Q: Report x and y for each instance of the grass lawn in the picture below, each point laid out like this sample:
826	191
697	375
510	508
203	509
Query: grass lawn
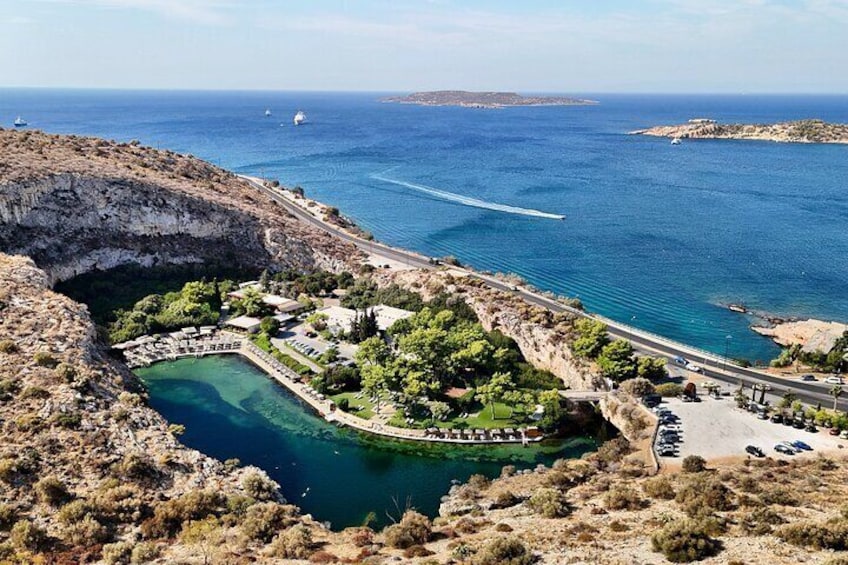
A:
367	411
479	417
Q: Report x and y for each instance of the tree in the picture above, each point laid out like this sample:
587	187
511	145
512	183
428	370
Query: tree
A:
318	321
204	534
592	338
372	351
494	390
264	279
552	403
519	401
835	392
251	302
270	326
438	410
651	368
616	360
638	387
694	464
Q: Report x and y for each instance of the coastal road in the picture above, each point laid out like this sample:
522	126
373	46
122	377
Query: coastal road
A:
714	366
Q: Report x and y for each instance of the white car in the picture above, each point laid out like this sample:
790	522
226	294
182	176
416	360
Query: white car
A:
694	368
834	380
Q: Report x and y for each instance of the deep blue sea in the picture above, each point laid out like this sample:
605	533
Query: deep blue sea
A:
657	235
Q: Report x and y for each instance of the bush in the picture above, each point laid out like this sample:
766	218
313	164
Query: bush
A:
27	536
684	542
613	451
45	359
294	543
659	487
259	486
504	499
8	346
117	553
549	502
86	532
694	464
669	390
168	517
8	516
507	550
66	372
68	420
262	521
816	535
145	552
8	469
413	529
52	491
416	551
622	497
137	467
637	387
703	495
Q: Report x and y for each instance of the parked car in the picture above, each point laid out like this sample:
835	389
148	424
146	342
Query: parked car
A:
811	428
777	418
681	361
833	431
667	451
801	445
694	368
834	380
790	445
808	378
762	415
798	424
780	448
843	434
755	451
788	421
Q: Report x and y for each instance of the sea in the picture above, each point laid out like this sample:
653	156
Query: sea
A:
658	236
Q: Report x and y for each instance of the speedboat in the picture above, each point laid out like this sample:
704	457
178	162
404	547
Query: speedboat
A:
268	112
675	141
299	118
20	122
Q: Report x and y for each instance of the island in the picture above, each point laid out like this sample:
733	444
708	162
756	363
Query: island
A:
800	131
468	99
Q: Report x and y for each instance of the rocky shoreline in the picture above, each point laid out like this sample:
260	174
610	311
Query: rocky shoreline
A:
801	131
491	100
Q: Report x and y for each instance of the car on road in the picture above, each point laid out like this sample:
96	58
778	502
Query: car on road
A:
834	380
755	451
801	445
780	448
681	361
808	378
694	368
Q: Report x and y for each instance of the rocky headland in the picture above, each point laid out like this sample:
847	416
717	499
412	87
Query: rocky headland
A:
801	131
484	99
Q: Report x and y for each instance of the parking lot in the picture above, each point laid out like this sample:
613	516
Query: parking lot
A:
716	429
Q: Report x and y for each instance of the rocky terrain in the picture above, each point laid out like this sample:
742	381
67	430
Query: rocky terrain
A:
801	131
483	99
76	204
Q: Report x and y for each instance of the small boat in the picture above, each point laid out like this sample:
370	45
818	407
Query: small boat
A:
740	308
675	141
299	118
268	112
20	122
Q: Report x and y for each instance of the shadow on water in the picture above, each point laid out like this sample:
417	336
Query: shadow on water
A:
233	410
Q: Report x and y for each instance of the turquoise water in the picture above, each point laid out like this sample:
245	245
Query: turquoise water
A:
230	408
656	235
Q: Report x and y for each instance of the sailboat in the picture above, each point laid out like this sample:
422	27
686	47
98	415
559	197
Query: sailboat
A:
20	122
268	112
299	118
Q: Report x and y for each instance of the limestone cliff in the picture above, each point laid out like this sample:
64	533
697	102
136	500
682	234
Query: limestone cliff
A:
75	204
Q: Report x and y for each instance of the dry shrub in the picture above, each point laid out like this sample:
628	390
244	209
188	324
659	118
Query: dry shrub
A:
413	529
702	494
416	551
506	550
260	487
118	553
263	520
361	537
684	541
168	517
831	535
622	497
8	516
294	543
694	464
504	499
549	503
501	527
52	491
659	487
27	536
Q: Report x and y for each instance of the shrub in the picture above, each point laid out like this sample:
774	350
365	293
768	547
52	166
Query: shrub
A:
85	532
504	499
622	497
45	359
508	471
549	502
137	467
118	553
669	390
613	451
66	372
416	551
52	491
659	487
35	392
259	486
169	516
413	529
637	387
8	469
507	550
8	516
694	464
294	543
27	536
68	420
479	481
145	552
8	346
702	495
262	521
816	535
362	537
684	542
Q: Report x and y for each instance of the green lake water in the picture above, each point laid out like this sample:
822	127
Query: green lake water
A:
230	408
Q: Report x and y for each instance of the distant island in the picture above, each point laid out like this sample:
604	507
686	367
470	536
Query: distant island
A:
484	99
801	131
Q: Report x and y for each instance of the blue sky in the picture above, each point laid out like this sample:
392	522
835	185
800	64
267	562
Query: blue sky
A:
728	46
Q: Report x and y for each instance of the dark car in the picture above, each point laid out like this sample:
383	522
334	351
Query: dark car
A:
798	424
777	418
787	421
811	428
755	451
808	378
667	451
833	431
784	449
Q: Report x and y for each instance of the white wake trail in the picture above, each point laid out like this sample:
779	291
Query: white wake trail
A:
469	201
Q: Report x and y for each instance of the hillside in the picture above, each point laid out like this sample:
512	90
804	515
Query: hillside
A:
802	131
483	99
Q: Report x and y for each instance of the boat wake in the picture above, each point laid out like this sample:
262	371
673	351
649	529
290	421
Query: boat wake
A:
469	201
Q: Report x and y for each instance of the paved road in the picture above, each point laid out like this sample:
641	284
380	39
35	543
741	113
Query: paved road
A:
714	366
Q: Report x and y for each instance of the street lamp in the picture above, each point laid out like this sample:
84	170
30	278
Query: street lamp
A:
630	328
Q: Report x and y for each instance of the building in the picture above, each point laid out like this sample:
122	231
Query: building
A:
339	319
247	324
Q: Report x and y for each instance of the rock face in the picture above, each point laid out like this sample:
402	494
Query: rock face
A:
802	131
75	204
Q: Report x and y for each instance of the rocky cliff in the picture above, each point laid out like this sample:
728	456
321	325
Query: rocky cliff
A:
75	204
801	131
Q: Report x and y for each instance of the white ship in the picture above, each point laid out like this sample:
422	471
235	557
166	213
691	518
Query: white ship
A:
675	141
268	112
20	122
299	118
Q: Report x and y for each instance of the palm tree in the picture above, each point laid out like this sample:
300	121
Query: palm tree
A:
835	392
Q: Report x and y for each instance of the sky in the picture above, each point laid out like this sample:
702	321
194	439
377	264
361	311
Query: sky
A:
563	46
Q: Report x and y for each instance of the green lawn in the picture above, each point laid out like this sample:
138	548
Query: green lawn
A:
479	417
367	411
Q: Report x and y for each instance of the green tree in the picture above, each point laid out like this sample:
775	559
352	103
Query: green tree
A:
251	302
651	368
494	390
835	392
372	351
592	338
269	326
519	401
205	535
438	410
318	321
551	401
616	360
